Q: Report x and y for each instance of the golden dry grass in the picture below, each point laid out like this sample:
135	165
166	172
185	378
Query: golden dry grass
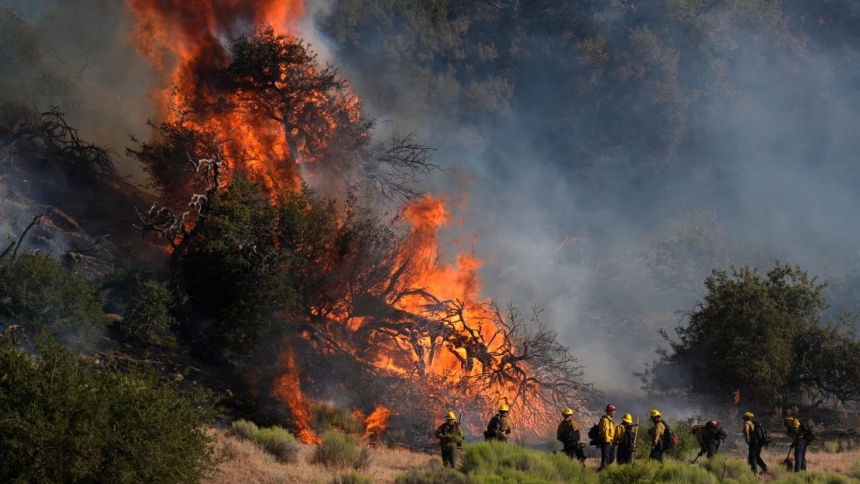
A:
245	462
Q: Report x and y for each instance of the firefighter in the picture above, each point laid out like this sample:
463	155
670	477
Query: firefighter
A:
499	426
802	435
709	437
658	427
450	437
606	440
754	444
568	434
625	439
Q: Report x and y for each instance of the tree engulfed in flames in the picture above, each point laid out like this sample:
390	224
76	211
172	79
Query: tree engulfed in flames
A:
422	322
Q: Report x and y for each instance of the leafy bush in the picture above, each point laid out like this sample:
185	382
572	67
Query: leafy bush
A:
280	443
66	420
435	475
727	468
339	450
39	295
275	440
351	478
332	418
395	437
148	318
489	460
244	429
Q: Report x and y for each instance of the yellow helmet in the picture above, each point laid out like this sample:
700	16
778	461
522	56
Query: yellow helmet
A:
450	416
504	408
627	418
655	413
748	415
567	411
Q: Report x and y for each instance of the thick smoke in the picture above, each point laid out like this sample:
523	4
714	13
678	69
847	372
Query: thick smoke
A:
567	227
561	216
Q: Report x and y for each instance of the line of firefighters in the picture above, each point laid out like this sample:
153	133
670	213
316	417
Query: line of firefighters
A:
619	443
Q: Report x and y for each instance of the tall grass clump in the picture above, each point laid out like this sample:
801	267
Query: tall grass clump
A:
501	462
275	440
434	475
351	478
815	477
332	418
855	471
340	450
727	468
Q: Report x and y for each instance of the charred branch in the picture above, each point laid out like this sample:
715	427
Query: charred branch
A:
180	230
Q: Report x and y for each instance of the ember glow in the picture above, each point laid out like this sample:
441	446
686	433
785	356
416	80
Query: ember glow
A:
465	356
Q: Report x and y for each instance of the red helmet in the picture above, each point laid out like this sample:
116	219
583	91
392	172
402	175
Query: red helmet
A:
610	408
713	424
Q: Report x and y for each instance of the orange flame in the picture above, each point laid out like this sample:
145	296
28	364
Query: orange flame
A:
376	424
288	390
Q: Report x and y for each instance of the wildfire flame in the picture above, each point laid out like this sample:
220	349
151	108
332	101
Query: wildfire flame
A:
178	36
376	424
736	396
287	389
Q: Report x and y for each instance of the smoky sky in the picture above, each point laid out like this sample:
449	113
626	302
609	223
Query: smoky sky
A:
561	220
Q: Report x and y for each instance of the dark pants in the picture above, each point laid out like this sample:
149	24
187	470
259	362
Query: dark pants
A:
607	455
800	455
574	451
448	456
754	459
624	455
657	453
712	447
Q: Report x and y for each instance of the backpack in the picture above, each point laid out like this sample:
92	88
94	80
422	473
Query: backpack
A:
670	439
494	428
594	434
629	441
760	434
809	435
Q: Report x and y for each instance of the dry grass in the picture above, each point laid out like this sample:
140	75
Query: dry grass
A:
243	461
246	462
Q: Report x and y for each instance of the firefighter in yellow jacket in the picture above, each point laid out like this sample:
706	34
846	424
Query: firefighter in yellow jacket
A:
568	434
801	434
625	439
658	427
753	444
499	426
450	437
606	440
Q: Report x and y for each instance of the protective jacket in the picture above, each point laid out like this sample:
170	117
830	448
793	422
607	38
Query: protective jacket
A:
656	432
606	429
567	432
450	435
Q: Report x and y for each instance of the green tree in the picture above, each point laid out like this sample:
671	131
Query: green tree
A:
39	295
746	335
68	420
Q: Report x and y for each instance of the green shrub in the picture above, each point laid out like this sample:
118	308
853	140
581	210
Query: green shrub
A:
40	295
244	429
487	461
339	450
855	471
148	320
351	478
332	418
628	474
274	440
728	468
279	442
66	420
434	475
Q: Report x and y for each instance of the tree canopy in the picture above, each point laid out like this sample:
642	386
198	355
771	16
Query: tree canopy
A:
760	337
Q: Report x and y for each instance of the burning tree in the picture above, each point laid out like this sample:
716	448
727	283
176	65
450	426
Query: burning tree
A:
278	273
